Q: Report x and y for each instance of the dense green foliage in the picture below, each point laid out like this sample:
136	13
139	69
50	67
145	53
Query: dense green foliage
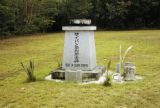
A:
30	16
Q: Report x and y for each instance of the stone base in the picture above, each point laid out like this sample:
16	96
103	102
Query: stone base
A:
78	75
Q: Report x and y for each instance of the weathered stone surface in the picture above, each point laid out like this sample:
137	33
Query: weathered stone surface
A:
58	74
79	75
79	28
72	76
81	21
79	59
79	48
118	68
129	71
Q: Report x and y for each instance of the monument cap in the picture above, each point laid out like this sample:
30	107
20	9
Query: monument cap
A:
80	21
79	28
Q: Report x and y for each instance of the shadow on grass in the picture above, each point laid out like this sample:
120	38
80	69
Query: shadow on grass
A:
37	80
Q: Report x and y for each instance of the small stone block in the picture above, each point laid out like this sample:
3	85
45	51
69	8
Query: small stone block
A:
58	74
129	71
70	76
79	76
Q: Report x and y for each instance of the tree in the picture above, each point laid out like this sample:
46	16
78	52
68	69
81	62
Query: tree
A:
31	16
7	19
109	13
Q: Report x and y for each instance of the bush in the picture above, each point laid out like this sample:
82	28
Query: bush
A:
108	81
121	61
29	71
7	19
59	63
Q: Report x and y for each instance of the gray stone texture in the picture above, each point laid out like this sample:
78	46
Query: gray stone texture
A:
78	75
129	71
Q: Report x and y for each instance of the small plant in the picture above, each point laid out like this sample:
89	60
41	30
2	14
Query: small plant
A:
108	77
121	59
59	63
108	81
108	67
29	71
125	54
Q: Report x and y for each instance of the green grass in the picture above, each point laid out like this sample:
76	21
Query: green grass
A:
46	49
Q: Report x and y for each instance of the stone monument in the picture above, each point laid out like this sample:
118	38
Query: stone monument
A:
79	59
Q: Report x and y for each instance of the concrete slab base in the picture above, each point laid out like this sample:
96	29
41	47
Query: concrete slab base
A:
78	75
99	81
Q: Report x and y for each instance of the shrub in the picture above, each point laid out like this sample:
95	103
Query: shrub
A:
59	63
108	81
29	71
125	54
121	59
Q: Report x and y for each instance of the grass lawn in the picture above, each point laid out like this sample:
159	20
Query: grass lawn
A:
46	49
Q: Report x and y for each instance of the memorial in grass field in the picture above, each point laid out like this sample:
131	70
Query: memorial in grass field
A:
79	57
79	47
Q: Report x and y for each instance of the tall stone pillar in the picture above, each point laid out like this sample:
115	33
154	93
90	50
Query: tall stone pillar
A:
79	48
